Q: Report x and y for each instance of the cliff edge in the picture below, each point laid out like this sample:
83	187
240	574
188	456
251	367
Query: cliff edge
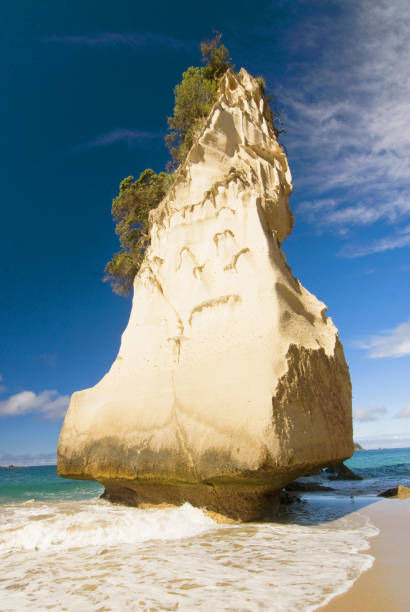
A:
230	381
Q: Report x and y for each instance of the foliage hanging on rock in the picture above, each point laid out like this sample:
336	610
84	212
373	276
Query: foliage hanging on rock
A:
130	210
194	98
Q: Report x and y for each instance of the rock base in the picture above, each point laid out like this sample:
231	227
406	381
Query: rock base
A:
342	472
241	503
400	492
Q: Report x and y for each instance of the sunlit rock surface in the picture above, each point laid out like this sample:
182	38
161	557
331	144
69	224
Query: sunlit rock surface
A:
230	381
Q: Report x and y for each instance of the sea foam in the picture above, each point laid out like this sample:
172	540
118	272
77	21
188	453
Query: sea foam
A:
78	524
92	555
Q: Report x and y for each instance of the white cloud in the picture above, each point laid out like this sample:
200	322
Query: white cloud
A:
130	137
384	440
28	459
346	113
365	413
310	208
388	243
48	404
404	414
390	343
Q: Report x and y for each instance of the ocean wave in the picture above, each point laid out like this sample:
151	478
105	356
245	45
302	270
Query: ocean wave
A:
92	555
98	523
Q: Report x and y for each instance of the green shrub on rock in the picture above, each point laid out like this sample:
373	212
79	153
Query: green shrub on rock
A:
194	98
130	210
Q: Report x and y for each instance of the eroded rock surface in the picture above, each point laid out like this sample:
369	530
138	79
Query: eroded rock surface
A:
230	381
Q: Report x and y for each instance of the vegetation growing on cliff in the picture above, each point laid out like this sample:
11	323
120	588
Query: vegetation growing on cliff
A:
194	98
130	210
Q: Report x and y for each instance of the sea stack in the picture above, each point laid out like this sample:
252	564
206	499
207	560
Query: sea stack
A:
230	381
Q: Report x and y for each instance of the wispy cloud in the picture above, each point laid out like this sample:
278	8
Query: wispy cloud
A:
389	343
388	243
130	39
28	459
385	440
50	359
129	137
47	404
404	414
365	413
346	112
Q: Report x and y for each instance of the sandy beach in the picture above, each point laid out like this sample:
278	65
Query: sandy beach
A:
385	587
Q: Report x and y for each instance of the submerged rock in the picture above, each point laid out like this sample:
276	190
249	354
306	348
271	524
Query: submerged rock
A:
230	381
287	499
400	491
342	472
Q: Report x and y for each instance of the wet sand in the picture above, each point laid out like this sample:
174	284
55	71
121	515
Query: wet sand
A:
386	586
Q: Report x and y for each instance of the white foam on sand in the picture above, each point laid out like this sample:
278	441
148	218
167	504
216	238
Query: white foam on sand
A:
92	555
46	526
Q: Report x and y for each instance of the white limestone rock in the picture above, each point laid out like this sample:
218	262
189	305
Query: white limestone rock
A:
230	381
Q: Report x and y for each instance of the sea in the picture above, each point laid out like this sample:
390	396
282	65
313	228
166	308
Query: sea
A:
64	548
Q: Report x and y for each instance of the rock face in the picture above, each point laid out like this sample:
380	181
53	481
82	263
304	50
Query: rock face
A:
230	381
401	492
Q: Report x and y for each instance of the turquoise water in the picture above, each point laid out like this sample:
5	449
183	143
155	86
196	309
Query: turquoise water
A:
370	461
380	469
42	483
61	547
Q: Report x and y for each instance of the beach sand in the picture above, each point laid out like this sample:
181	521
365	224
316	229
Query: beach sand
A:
386	586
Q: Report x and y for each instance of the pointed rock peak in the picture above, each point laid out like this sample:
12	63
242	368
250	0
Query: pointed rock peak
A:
237	143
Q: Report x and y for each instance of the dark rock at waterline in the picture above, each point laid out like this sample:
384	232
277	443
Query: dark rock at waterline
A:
342	472
286	499
400	492
314	473
243	503
306	487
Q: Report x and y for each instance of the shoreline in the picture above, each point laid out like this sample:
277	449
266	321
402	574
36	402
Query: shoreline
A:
383	587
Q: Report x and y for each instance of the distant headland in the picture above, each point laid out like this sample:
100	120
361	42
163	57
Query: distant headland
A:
358	446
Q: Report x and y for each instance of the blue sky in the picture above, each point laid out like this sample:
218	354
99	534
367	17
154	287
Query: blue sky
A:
87	87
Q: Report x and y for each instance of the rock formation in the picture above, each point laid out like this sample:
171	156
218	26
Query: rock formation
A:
230	381
400	492
340	471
